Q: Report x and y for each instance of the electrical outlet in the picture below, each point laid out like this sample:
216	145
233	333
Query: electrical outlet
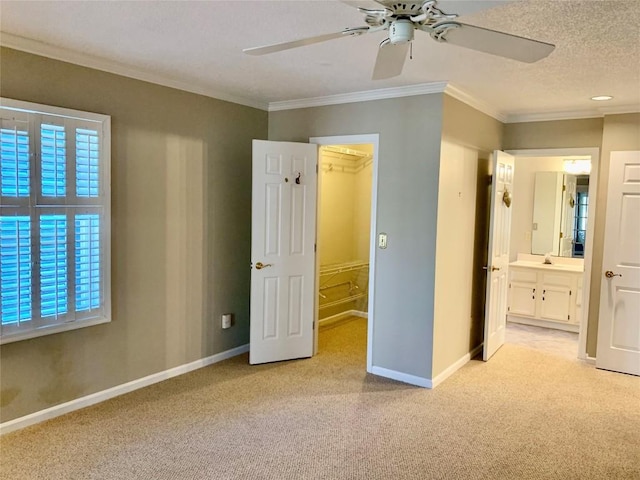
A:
227	320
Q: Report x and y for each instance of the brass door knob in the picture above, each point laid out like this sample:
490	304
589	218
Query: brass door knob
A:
610	274
260	265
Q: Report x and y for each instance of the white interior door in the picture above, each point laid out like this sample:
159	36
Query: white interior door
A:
283	236
619	324
495	317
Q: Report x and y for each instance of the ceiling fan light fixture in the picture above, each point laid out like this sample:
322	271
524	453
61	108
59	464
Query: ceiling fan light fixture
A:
401	31
601	98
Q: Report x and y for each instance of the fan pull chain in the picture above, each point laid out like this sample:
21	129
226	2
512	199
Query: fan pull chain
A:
411	51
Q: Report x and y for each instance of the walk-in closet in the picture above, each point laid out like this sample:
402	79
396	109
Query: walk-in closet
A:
344	231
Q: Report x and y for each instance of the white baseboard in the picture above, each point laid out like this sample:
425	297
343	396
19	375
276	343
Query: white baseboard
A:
451	369
340	316
544	323
98	397
402	377
427	382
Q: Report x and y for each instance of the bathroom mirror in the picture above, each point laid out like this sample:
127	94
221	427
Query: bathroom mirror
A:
560	208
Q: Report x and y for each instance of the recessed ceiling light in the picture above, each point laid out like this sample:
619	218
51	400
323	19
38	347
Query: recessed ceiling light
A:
601	98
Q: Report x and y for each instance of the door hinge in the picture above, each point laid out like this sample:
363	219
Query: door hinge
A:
569	292
564	188
561	235
568	317
315	247
316	168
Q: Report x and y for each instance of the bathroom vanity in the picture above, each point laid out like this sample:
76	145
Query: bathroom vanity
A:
546	295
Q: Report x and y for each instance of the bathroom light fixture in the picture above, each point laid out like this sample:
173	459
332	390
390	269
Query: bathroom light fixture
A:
601	98
577	167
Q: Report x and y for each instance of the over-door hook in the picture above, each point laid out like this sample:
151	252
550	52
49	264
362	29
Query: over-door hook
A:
298	178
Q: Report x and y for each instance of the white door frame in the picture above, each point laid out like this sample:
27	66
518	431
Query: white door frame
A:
355	140
594	153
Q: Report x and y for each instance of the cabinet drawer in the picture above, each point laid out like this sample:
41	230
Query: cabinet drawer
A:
556	279
518	275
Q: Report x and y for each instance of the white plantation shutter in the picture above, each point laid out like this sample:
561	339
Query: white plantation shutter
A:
54	220
87	262
87	163
15	264
54	274
15	172
53	160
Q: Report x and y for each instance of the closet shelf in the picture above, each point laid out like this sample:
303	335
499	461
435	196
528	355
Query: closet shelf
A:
342	267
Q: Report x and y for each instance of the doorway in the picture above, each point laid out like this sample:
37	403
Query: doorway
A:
345	260
548	162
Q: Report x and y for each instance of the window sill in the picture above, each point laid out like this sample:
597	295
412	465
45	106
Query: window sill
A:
40	332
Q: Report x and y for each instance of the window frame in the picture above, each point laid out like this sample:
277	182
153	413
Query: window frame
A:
35	115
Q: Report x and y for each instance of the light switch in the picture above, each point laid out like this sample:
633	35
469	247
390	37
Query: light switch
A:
382	240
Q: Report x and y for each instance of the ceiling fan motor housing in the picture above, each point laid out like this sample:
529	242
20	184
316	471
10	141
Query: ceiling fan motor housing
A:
401	31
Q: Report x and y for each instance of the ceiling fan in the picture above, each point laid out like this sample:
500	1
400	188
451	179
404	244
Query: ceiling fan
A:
402	18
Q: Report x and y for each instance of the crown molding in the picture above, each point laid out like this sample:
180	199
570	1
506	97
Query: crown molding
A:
572	115
394	92
474	102
58	53
379	94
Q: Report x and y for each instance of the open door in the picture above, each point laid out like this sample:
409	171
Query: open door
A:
283	236
495	318
619	324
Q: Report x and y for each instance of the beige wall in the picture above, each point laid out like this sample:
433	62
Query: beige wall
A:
180	233
454	261
362	226
463	201
337	216
409	159
620	132
553	134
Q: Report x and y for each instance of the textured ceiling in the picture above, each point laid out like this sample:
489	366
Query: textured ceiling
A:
200	44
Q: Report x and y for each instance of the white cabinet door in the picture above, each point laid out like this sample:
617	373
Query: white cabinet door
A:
522	299
556	303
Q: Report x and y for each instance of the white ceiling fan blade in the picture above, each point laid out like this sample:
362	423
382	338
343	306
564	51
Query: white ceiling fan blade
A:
390	60
491	41
277	47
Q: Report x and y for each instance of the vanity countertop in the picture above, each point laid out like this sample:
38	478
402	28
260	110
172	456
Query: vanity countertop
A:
559	263
544	266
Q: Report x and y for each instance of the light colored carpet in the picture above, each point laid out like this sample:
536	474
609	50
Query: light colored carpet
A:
523	415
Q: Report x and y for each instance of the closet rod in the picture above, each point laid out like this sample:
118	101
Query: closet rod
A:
344	300
350	283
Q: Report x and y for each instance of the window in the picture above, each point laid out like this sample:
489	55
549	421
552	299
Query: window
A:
55	256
